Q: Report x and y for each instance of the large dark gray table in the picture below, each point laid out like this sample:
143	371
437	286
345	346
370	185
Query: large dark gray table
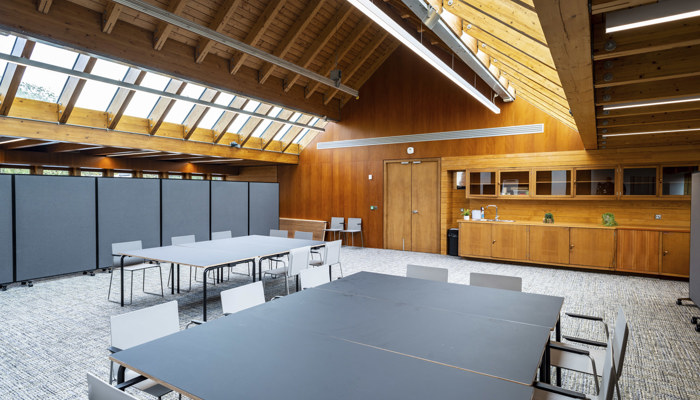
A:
213	254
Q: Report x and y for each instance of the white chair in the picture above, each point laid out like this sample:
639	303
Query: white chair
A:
303	235
428	273
221	235
138	327
330	256
101	390
337	224
298	260
354	226
242	297
132	264
514	283
279	233
312	277
175	240
576	358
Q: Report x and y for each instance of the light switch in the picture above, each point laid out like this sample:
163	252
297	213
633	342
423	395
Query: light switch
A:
370	177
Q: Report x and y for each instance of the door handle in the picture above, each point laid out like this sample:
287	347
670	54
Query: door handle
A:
415	211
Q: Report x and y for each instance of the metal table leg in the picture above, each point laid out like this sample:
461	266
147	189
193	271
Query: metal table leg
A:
122	280
557	334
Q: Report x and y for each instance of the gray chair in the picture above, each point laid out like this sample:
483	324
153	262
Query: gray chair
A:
131	265
354	226
279	233
514	283
185	239
427	273
298	260
330	256
101	390
221	235
303	235
337	224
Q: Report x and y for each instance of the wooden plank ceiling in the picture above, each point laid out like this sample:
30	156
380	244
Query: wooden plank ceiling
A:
651	64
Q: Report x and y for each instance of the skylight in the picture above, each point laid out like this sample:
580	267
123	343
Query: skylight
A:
305	131
142	103
97	95
41	84
241	119
6	43
287	127
181	109
213	115
264	124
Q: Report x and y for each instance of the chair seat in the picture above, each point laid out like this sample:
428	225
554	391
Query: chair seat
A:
540	394
276	271
138	267
315	263
332	229
149	386
577	362
351	231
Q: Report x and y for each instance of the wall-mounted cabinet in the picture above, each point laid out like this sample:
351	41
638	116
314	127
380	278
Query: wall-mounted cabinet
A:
514	183
595	183
639	182
675	180
553	183
482	184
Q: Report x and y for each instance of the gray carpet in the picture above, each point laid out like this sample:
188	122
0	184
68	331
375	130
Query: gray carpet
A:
55	332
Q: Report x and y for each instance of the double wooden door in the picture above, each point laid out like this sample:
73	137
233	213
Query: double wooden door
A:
412	205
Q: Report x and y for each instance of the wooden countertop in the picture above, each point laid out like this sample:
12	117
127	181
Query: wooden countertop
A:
584	225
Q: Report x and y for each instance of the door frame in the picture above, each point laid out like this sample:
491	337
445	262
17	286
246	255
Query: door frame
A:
437	191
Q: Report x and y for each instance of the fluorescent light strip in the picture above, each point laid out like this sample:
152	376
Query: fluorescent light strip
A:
650	132
651	14
653	21
651	103
399	33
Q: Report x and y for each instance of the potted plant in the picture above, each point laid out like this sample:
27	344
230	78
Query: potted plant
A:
548	218
466	213
609	219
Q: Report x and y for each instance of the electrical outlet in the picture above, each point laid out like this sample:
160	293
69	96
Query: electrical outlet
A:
372	207
657	216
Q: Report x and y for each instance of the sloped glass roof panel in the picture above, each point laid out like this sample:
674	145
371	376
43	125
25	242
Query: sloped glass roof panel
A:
213	115
264	124
287	127
142	103
305	131
181	109
108	69
6	43
54	55
241	119
40	84
96	96
193	91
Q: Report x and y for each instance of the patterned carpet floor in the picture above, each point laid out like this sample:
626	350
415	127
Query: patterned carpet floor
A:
53	333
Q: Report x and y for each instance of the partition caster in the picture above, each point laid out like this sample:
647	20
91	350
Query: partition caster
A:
682	299
30	284
92	273
23	283
694	320
679	302
3	288
697	328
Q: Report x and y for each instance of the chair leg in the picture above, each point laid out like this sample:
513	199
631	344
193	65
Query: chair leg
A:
341	269
286	282
109	292
362	238
131	296
162	294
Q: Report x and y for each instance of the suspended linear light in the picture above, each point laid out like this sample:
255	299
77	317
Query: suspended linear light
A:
650	132
404	37
648	103
651	14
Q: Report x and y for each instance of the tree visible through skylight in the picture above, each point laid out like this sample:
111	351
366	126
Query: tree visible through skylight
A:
6	43
41	84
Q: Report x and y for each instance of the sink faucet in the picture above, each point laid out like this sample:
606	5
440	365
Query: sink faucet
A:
495	206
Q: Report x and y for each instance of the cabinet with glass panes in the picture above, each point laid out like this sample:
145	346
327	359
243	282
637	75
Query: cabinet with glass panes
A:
553	183
639	181
515	183
676	180
599	182
482	183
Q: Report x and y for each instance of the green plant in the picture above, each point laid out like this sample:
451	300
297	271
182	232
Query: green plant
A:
548	218
467	212
609	219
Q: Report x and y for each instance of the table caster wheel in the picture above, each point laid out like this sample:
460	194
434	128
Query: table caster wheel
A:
679	302
693	320
30	284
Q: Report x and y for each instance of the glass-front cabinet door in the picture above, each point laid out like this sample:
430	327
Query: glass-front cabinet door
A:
515	183
553	183
639	181
676	181
482	183
598	182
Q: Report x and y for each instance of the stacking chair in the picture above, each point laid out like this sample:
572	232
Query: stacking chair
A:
579	359
184	240
336	226
101	390
138	327
221	235
330	256
298	260
132	264
242	297
279	233
428	273
303	235
514	283
312	277
354	226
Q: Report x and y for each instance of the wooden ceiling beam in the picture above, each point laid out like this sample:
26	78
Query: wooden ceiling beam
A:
340	53
122	97
73	87
291	37
69	147
163	30
111	16
249	127
103	151
13	74
226	119
223	16
649	110
79	134
366	73
326	34
198	112
682	33
666	64
567	28
43	6
542	103
163	106
657	90
677	116
253	37
604	6
359	60
510	13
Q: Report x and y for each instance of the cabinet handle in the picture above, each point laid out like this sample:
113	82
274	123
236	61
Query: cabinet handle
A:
665	252
571	246
415	211
493	242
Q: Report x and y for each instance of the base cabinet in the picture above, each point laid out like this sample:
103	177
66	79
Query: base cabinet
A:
592	247
509	241
475	240
675	253
549	244
638	251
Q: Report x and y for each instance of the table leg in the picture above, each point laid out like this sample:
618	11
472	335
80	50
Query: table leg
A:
178	279
122	280
204	296
557	333
172	278
544	366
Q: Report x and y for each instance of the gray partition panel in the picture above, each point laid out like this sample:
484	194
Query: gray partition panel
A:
695	239
127	210
55	225
229	207
264	210
6	229
184	209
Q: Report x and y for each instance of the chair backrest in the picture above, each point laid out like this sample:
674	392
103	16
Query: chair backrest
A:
337	222
607	384
514	283
332	256
182	239
278	233
242	297
125	247
312	277
428	273
101	390
354	224
620	340
298	260
220	235
303	235
141	326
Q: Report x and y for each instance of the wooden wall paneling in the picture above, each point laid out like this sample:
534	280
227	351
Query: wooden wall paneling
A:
638	251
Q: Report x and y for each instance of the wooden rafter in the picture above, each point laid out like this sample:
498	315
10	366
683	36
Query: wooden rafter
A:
103	151
340	53
13	74
567	28
603	6
511	13
294	135
226	119
514	68
520	80
252	38
291	36
365	74
198	112
274	128
73	87
111	16
657	90
521	58
43	6
312	51
249	127
163	30
222	17
163	105
122	97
